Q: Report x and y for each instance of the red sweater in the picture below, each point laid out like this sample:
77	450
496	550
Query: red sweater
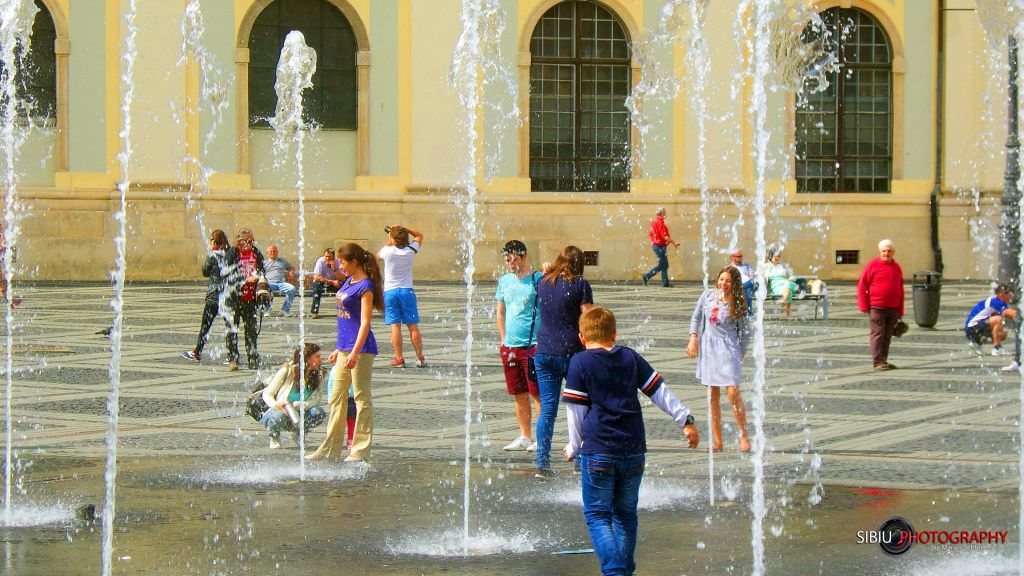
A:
659	232
880	286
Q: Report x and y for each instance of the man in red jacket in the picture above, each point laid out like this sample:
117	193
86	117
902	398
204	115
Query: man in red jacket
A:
660	239
880	294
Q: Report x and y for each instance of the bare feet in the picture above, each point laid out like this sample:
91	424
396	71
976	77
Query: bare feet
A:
744	444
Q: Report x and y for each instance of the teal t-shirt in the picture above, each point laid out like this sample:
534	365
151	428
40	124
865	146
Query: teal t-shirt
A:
518	296
293	396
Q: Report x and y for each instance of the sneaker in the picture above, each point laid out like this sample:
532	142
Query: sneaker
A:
544	474
999	351
315	315
352	459
421	362
882	367
15	303
232	366
645	279
190	355
976	347
521	443
288	314
668	285
1013	367
275	443
532	447
398	363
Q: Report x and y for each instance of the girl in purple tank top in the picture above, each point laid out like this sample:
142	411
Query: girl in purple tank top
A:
359	295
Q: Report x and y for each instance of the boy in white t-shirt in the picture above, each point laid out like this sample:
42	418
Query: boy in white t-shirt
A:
399	297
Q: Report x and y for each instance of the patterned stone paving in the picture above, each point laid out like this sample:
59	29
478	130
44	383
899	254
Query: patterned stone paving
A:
945	419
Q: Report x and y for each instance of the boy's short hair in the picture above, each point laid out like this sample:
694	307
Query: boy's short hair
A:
400	235
598	325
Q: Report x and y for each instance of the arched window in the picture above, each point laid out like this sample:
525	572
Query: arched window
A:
332	102
579	81
844	134
37	72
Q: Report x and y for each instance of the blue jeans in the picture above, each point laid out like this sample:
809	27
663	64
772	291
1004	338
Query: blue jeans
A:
551	371
276	421
288	291
662	253
748	293
611	489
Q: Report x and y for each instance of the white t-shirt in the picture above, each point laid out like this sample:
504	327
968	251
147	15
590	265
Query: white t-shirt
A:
398	265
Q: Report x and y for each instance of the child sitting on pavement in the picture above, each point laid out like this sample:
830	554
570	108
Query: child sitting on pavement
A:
606	433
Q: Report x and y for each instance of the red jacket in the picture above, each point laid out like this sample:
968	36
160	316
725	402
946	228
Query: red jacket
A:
659	232
880	286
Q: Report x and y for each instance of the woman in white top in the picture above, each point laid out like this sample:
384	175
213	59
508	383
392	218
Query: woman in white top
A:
284	400
399	298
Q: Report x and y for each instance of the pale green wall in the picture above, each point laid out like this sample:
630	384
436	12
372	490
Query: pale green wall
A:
919	91
384	88
658	154
36	167
87	132
502	146
329	161
222	152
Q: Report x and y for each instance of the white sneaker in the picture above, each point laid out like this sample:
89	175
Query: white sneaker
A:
351	459
275	443
999	351
532	447
976	347
1013	367
521	443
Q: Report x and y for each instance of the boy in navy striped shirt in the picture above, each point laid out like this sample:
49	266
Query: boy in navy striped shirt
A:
606	433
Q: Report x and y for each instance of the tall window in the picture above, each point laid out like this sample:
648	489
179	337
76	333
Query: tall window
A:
844	133
331	102
37	71
579	81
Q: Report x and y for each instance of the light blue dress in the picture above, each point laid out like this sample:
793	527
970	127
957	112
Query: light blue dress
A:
723	341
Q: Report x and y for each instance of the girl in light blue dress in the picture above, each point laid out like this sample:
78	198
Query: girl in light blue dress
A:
719	336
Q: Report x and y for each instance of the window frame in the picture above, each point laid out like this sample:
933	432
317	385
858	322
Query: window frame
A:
351	118
578	63
840	158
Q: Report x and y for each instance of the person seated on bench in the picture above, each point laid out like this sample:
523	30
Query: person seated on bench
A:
779	276
280	275
326	272
746	275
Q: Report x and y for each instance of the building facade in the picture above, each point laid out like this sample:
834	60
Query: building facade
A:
562	162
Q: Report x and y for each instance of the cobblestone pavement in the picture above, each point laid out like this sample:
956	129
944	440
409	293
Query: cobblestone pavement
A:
946	419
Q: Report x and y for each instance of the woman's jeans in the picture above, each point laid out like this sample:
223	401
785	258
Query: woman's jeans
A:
551	371
277	421
611	489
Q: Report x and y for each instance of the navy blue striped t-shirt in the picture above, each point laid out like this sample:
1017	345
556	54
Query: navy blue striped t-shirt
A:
607	382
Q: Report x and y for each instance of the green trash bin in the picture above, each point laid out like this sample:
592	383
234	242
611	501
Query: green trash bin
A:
927	293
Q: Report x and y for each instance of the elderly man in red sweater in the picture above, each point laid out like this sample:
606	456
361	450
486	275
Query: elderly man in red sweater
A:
880	294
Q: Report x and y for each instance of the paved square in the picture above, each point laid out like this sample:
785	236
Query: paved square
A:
945	419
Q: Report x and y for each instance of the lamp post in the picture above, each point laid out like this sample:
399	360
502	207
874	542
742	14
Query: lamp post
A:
1009	226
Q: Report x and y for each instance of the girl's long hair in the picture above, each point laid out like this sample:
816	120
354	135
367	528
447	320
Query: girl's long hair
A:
738	305
568	265
219	238
355	253
312	376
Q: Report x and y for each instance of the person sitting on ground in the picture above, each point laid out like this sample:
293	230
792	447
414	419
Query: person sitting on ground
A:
985	323
606	434
746	275
399	297
518	321
779	277
280	275
326	272
284	401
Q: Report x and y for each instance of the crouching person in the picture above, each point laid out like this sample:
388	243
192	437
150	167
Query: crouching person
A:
284	400
606	433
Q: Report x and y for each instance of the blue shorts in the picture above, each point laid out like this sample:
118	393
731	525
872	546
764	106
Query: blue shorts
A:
400	306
